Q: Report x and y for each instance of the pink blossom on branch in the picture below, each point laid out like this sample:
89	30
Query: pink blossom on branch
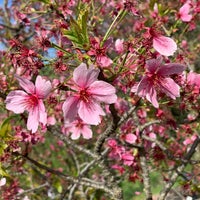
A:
30	100
164	45
119	45
157	78
78	128
193	79
90	92
100	52
130	138
183	13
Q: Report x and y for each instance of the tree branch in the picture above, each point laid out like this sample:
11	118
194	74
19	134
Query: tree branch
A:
67	141
80	181
173	175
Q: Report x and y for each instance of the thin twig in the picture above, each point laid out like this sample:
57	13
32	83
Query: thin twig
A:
149	124
69	142
33	189
102	138
85	182
129	113
173	175
145	175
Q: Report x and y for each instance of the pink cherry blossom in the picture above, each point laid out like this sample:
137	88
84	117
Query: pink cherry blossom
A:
183	13
157	77
78	128
130	138
164	45
90	92
119	45
100	52
193	79
190	140
22	17
30	100
127	158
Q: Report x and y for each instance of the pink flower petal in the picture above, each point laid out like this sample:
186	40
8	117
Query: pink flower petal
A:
107	44
152	135
83	76
119	45
172	68
185	9
187	141
164	45
152	97
70	108
43	87
76	132
146	88
134	88
142	86
184	13
27	85
154	64
90	112
131	138
186	18
86	132
104	61
16	101
78	128
42	112
103	91
127	159
193	79
33	120
109	99
170	88
51	120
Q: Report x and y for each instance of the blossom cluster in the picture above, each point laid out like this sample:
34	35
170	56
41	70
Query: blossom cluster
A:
83	106
121	78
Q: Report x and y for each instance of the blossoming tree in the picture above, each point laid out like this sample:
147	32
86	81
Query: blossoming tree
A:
97	96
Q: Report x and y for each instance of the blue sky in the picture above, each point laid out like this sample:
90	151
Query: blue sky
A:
51	51
2	1
2	5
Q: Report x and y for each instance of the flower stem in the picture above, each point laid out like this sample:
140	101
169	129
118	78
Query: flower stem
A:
120	15
60	48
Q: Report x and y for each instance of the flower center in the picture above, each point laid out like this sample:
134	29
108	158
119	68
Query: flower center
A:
128	5
100	51
153	78
32	101
84	96
79	124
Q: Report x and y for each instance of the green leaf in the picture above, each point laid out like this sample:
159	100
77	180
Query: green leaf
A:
43	1
58	186
78	33
3	146
5	127
82	21
71	36
3	172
